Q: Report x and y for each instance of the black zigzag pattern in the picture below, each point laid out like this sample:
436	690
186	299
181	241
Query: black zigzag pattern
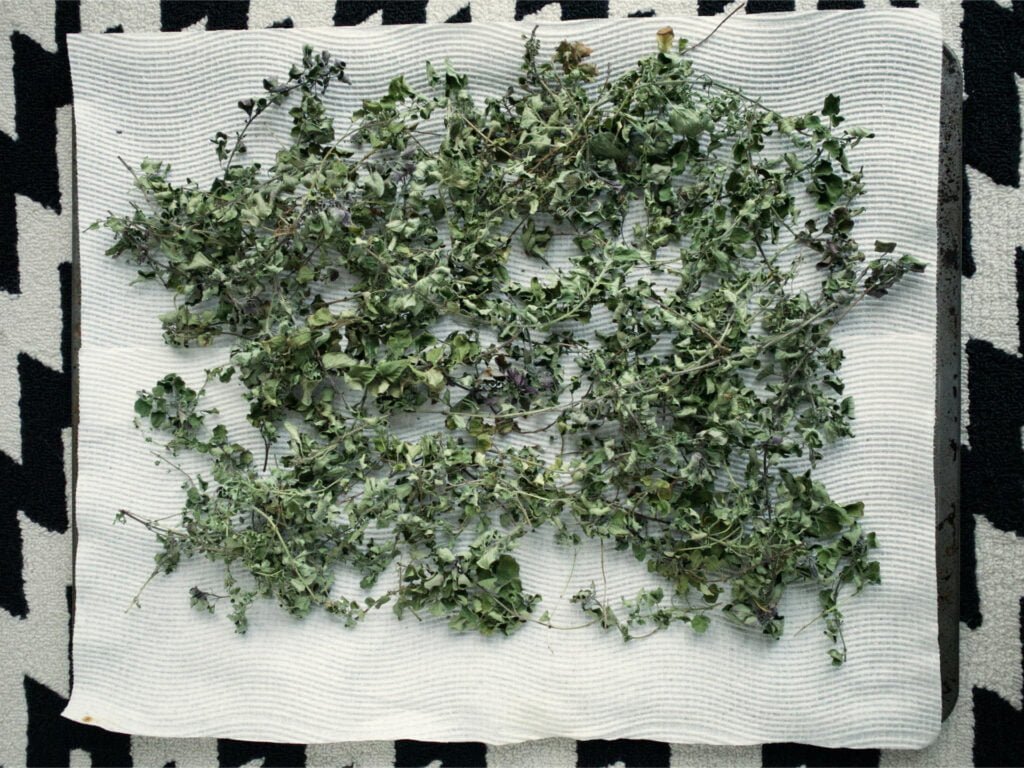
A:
348	13
28	164
36	485
993	465
51	738
998	726
232	754
714	7
461	16
770	6
176	15
794	755
840	5
711	7
413	754
570	9
631	753
993	52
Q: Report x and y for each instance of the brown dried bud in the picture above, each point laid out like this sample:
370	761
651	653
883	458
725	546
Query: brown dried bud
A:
665	38
570	56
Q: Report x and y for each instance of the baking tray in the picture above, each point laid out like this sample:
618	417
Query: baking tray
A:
947	383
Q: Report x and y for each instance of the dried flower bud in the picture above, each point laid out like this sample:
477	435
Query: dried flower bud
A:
665	37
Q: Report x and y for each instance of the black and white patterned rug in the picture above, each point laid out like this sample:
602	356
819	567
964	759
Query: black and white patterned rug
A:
36	242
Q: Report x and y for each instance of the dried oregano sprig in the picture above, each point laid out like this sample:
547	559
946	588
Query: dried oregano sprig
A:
332	270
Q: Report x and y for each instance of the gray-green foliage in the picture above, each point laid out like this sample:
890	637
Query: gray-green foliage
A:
672	424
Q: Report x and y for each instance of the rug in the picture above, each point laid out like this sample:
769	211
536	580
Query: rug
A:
37	232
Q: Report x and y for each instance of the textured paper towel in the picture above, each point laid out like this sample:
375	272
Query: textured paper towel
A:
166	670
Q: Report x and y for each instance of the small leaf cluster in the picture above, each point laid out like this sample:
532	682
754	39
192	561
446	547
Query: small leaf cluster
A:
665	390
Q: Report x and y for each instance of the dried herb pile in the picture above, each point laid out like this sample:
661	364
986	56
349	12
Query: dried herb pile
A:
648	392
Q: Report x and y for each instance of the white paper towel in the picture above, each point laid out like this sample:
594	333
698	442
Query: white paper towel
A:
166	670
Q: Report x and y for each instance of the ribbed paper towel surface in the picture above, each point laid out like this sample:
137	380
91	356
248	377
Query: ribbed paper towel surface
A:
167	670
